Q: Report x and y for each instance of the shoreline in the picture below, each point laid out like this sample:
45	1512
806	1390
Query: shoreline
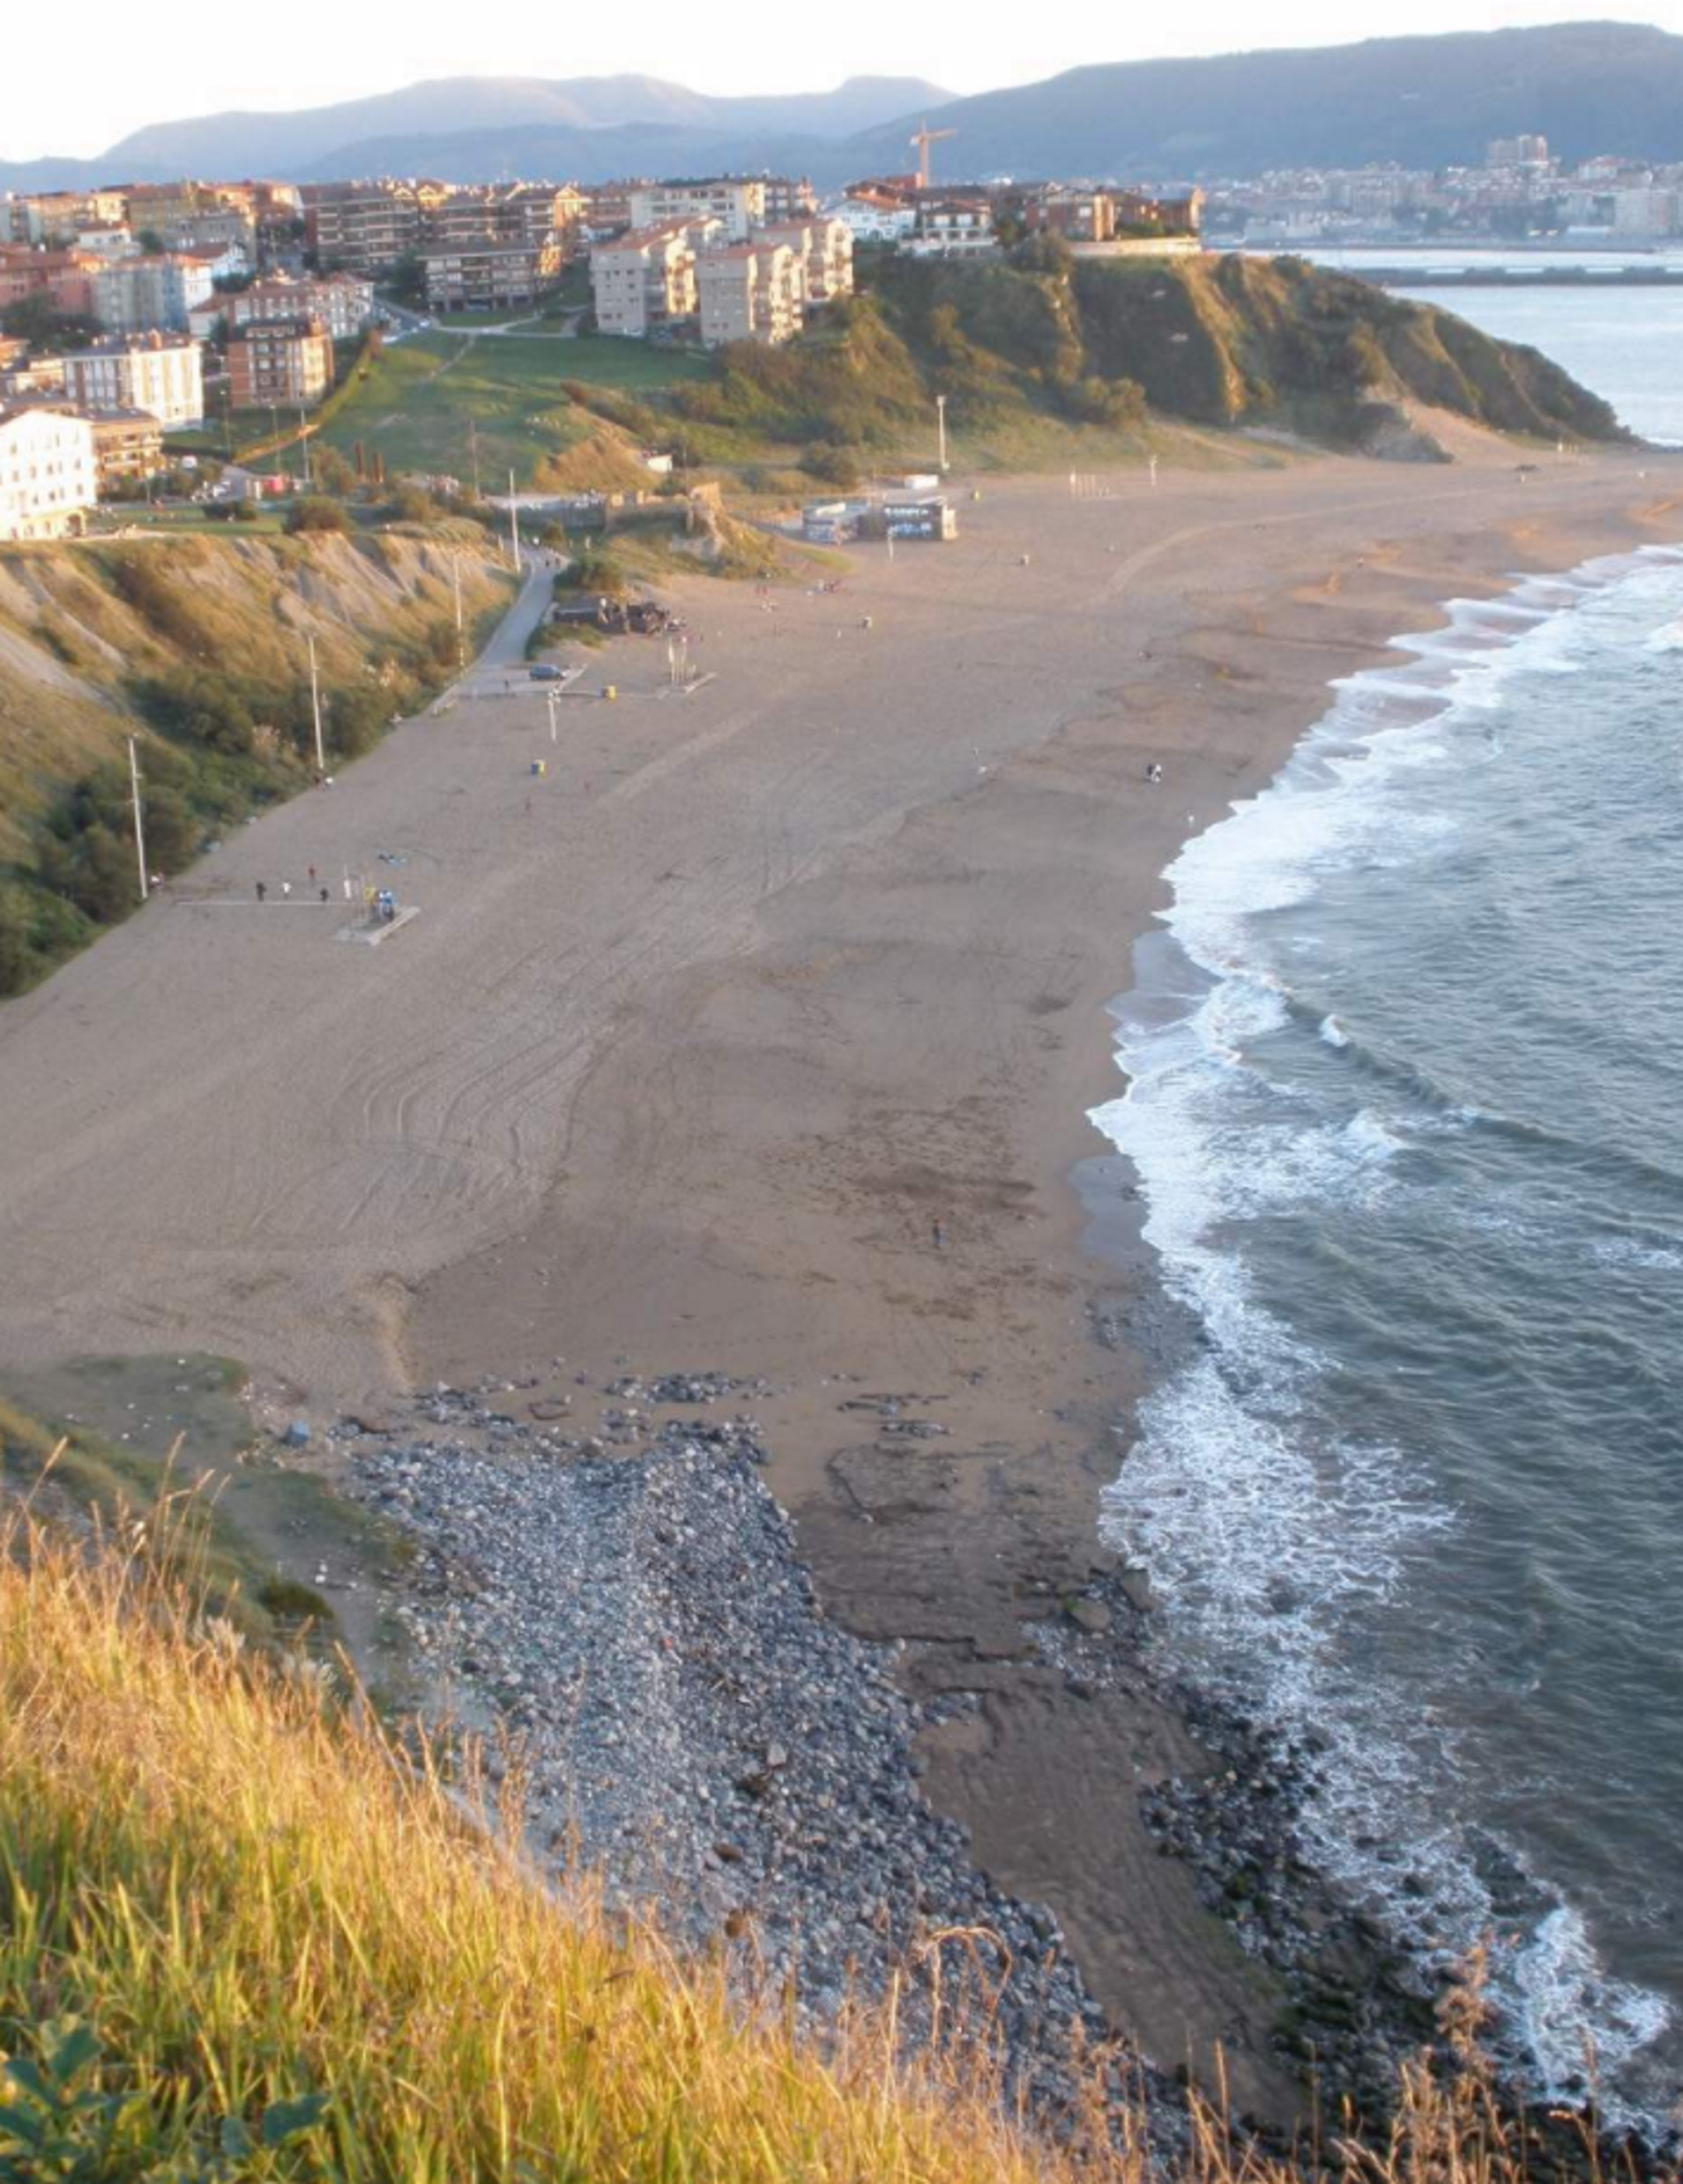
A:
1259	1828
818	1130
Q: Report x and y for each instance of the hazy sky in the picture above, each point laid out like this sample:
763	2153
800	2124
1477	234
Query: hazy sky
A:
79	82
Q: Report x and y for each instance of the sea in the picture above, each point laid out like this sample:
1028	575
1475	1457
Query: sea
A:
1405	1094
1625	344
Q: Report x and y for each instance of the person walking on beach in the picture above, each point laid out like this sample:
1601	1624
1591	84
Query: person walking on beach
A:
263	891
285	887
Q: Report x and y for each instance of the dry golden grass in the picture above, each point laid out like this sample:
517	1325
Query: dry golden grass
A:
248	1892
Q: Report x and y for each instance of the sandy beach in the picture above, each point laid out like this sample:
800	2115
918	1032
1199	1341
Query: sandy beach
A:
757	1036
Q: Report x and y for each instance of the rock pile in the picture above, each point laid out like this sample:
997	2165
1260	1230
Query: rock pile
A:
691	1727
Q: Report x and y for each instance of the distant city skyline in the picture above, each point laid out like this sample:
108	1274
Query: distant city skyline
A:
322	53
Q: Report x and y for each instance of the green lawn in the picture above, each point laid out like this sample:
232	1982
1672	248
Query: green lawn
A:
421	397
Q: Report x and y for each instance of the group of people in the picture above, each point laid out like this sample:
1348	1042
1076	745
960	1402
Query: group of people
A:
286	888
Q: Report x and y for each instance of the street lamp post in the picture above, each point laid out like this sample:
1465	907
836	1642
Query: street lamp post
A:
940	429
139	834
315	709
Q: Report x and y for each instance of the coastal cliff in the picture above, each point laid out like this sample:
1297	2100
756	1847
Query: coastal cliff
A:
1270	343
197	647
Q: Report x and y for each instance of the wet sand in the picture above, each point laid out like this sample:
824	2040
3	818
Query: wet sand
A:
758	1036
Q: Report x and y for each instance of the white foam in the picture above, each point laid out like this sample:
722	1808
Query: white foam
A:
1564	1988
1264	1542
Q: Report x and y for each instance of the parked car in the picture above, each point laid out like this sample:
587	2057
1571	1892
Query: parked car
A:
545	671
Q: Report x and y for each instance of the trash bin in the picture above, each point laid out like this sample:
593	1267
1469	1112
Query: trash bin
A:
538	768
611	690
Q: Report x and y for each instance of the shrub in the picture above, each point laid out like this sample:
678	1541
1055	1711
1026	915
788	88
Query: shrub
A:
593	572
834	466
314	512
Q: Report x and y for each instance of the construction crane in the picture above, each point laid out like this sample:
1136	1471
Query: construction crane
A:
923	137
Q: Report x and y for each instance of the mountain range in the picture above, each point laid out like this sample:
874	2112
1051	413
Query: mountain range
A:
1422	101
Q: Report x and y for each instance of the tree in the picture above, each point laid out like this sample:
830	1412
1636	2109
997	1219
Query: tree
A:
35	319
333	474
314	512
407	279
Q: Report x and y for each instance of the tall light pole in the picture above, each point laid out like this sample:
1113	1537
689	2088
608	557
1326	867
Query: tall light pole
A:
461	639
303	440
940	429
316	708
139	834
554	700
514	528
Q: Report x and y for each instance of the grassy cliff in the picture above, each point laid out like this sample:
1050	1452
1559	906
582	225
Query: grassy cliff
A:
1111	343
246	1934
1235	341
197	646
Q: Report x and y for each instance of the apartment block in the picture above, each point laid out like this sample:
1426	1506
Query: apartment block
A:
163	376
128	443
824	248
64	278
643	281
47	475
287	362
750	292
50	216
344	304
487	272
367	226
150	294
739	205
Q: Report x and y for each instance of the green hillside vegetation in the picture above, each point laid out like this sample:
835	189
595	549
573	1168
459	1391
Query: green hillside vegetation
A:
438	402
1043	340
1236	340
197	647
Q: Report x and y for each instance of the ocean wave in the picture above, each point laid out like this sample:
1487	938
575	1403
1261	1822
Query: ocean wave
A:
1563	1987
1271	1538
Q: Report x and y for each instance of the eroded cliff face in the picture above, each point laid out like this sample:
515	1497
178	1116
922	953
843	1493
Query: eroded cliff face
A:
195	645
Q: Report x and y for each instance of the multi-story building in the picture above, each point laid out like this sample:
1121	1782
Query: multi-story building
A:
128	443
607	209
344	304
874	215
824	250
63	278
368	226
282	362
786	200
47	475
750	292
739	205
50	216
949	225
536	211
161	376
645	282
150	294
486	272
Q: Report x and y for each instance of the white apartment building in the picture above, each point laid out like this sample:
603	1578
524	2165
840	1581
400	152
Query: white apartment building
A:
750	292
139	294
645	280
162	376
824	248
869	218
739	205
47	476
